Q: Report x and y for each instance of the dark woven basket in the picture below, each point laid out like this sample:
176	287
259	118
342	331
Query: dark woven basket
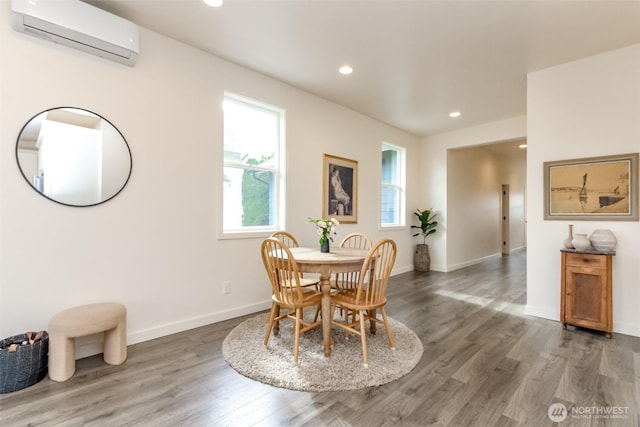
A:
25	366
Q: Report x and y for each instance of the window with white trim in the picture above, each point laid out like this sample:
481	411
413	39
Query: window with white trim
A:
253	183
392	196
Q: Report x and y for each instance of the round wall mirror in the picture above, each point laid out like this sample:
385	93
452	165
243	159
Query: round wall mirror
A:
73	156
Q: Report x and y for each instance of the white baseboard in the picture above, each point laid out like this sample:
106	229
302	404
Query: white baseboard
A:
399	270
471	262
625	328
93	344
408	268
542	313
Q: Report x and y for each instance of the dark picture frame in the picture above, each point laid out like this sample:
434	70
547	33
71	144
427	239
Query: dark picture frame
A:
340	189
592	189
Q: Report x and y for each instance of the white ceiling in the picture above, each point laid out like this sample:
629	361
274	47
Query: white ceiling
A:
414	61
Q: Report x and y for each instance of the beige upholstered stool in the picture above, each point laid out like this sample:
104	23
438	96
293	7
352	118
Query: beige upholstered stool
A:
64	327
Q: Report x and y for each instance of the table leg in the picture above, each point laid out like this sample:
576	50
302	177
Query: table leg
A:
372	323
276	324
325	286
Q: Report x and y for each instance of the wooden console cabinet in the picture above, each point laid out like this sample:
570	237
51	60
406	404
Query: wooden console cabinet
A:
585	298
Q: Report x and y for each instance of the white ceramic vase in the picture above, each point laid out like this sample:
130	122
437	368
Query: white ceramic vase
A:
580	242
603	240
568	241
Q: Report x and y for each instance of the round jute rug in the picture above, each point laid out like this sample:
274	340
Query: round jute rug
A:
243	349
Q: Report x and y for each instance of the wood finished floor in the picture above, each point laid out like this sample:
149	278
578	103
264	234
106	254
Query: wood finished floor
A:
485	364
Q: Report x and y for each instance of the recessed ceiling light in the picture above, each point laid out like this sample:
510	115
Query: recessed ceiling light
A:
522	145
346	69
213	3
454	114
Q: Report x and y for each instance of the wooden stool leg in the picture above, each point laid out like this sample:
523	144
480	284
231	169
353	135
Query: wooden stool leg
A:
62	360
115	344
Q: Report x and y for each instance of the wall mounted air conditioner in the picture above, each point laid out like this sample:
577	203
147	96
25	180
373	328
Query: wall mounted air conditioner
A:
79	25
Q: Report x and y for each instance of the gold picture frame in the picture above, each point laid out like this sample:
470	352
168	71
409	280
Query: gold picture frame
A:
340	189
592	189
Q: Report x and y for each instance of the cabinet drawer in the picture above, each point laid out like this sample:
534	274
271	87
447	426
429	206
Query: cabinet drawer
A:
587	260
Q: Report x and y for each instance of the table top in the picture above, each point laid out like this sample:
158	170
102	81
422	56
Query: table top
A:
336	256
587	251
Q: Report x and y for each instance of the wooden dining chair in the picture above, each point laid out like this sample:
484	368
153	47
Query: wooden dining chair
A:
356	240
287	291
368	295
350	280
287	238
290	241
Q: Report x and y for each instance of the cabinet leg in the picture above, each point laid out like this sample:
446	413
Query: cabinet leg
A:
608	335
564	326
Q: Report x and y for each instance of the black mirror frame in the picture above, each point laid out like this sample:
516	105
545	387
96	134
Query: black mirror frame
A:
57	201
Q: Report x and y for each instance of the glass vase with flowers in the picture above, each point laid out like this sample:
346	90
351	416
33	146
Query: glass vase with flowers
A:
326	229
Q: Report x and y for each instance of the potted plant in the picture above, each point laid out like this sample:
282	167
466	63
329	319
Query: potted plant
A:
421	259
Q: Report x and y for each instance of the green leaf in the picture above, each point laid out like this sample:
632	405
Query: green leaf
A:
427	223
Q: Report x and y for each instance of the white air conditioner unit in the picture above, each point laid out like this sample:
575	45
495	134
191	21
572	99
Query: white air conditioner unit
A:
79	25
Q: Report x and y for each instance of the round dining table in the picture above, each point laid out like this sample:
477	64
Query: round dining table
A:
338	260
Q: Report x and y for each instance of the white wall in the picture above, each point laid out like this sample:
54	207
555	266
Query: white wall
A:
514	173
451	249
585	108
154	246
474	184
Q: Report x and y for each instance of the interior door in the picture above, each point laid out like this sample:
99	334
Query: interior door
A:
506	247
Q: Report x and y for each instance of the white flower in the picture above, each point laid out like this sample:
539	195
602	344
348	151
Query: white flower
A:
325	228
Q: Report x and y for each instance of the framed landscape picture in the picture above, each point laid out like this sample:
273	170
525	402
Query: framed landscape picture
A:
340	189
597	188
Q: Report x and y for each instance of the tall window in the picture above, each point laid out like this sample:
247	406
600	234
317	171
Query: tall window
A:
253	166
392	198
